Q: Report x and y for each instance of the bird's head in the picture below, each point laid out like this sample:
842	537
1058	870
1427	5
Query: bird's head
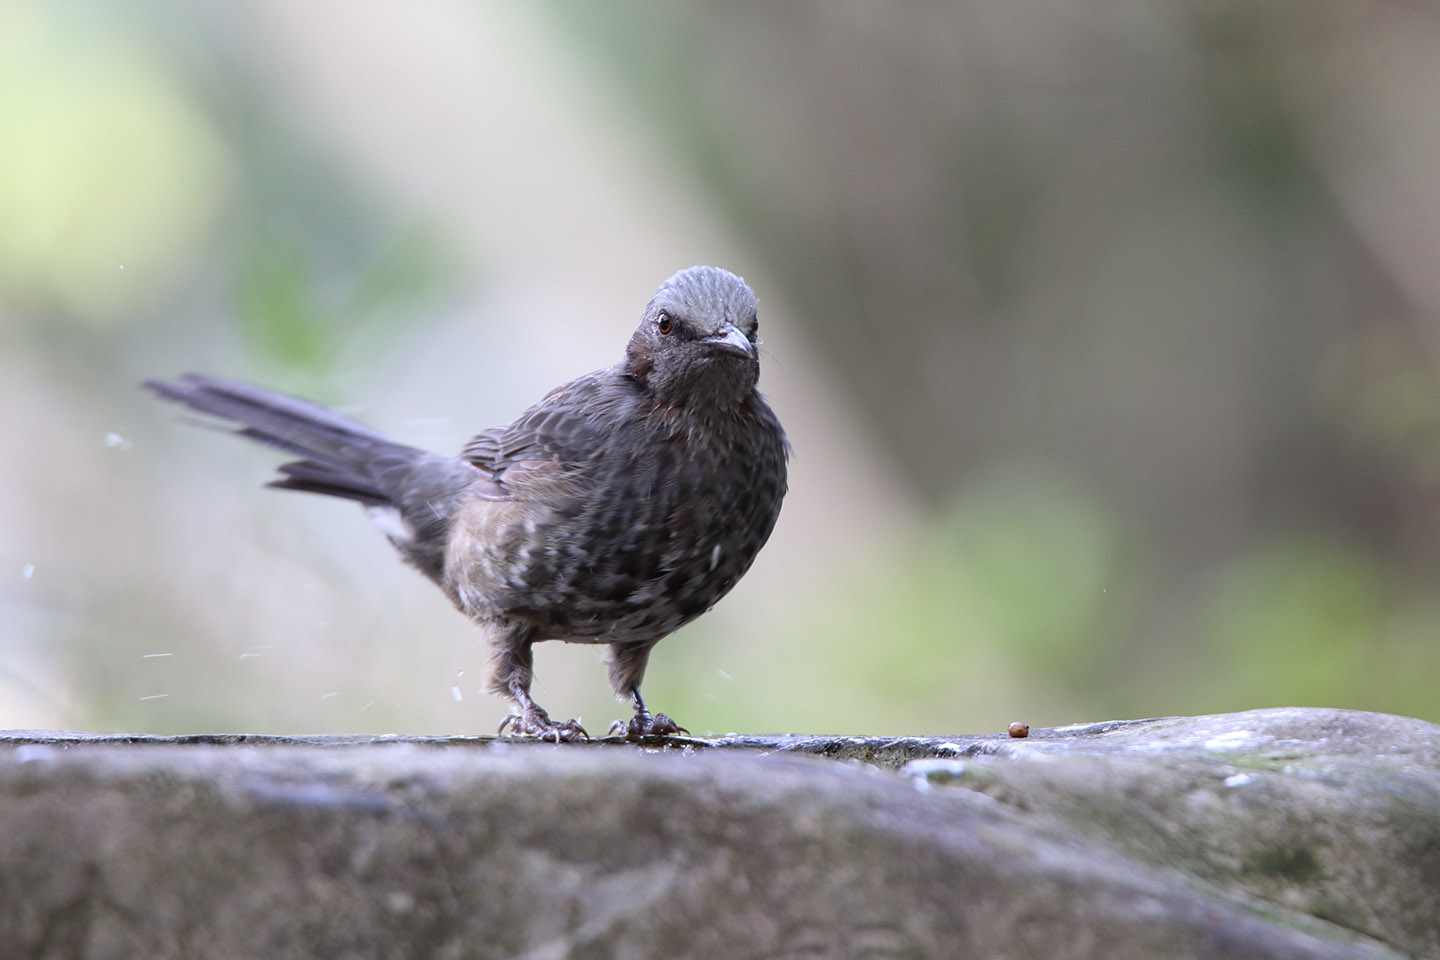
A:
696	346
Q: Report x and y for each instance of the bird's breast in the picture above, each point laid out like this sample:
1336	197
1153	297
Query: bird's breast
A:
649	532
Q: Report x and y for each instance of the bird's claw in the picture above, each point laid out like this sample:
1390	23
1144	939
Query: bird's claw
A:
536	723
646	725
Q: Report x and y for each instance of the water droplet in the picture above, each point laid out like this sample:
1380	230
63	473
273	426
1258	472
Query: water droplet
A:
26	572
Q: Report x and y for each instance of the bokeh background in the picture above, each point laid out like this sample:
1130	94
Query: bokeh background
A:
1105	334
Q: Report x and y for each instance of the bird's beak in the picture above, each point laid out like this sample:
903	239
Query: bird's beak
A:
730	340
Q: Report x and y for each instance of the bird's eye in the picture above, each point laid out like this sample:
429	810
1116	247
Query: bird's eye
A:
664	324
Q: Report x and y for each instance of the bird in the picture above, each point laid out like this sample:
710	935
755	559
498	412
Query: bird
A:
618	508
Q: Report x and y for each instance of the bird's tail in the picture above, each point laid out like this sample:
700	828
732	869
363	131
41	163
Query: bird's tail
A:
340	458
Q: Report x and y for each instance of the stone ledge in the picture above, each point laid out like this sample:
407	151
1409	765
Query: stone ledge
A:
1281	833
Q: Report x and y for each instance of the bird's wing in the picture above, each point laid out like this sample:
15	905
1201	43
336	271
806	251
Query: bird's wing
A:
545	451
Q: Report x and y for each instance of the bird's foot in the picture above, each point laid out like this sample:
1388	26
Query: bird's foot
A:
534	722
645	724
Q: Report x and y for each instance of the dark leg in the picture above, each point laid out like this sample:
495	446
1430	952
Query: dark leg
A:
627	669
512	663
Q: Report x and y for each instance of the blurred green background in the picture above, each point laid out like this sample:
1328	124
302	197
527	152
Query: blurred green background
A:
1105	334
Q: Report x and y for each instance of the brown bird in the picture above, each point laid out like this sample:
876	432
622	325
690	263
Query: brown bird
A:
620	507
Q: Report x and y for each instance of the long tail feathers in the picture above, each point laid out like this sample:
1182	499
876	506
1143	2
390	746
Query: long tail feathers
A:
341	457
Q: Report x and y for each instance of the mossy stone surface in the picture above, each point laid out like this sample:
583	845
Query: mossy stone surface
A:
1279	833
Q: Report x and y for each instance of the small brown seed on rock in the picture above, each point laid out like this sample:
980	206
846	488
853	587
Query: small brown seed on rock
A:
1019	730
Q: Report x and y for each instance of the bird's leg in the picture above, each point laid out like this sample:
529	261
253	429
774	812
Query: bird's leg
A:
627	668
532	720
644	723
512	668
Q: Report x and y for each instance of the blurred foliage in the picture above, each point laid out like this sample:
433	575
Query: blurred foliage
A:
949	191
289	318
1013	595
1295	622
109	174
1384	392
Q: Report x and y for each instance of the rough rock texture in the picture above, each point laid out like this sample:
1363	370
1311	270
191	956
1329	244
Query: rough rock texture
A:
1280	833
